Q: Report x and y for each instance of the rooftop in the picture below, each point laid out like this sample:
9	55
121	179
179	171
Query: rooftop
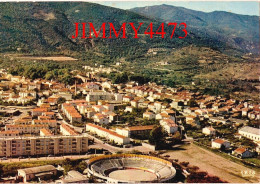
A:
39	169
251	130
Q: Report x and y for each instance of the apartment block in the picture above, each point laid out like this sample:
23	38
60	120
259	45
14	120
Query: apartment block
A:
43	145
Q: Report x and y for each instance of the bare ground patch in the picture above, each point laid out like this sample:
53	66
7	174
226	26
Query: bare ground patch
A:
213	164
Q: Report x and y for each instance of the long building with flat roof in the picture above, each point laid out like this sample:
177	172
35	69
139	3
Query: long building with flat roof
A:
29	174
108	134
43	145
250	133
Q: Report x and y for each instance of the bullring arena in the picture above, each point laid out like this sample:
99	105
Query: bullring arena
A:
122	168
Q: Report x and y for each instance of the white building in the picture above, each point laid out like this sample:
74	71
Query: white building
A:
243	153
95	96
209	131
148	115
108	134
250	133
169	125
218	143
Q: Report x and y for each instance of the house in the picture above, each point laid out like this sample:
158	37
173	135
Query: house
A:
169	125
106	85
127	99
209	131
109	107
245	112
38	111
163	116
158	106
243	152
190	118
148	115
134	103
129	109
220	143
98	108
101	118
32	173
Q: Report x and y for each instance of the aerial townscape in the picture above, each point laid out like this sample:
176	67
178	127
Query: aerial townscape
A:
110	114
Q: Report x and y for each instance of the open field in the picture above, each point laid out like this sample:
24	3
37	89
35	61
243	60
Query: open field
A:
58	58
235	71
51	58
213	164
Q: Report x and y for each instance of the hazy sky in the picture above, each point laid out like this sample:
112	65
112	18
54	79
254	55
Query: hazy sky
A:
239	7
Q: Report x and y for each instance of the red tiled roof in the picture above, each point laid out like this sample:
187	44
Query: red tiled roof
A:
9	132
240	150
106	130
46	132
135	128
220	141
39	110
69	129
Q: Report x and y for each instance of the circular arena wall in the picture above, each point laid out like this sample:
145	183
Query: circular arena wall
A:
122	168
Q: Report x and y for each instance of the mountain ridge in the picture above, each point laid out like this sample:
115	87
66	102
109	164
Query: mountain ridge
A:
219	24
48	26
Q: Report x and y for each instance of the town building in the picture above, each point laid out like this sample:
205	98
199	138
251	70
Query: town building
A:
97	95
242	152
43	145
169	125
209	131
108	134
134	130
220	144
33	173
250	133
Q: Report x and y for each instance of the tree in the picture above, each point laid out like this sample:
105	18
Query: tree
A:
176	138
192	103
67	165
61	100
1	169
82	166
157	136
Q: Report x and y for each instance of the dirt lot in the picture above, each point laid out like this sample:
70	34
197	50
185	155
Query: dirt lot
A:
57	58
213	164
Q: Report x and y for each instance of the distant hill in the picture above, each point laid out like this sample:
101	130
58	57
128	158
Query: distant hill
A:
238	31
46	27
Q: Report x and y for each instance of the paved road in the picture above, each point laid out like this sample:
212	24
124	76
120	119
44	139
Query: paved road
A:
45	158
